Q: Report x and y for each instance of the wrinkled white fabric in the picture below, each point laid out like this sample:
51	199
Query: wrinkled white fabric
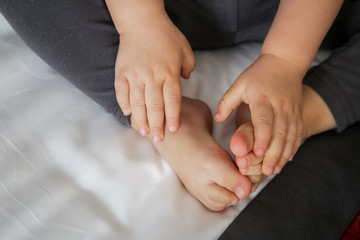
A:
69	170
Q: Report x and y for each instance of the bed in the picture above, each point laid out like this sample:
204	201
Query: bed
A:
69	170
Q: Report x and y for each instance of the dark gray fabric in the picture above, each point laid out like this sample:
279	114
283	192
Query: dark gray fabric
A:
314	197
76	38
212	24
337	81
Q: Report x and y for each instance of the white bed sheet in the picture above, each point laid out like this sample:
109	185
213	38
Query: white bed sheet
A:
69	170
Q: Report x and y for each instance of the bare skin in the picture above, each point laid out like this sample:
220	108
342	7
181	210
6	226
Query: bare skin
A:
316	116
207	170
271	86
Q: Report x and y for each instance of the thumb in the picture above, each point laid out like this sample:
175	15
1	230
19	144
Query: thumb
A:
188	64
228	103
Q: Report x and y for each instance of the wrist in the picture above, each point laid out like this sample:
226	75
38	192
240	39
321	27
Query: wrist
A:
288	65
130	15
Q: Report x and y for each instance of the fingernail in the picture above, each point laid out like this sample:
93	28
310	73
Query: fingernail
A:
142	132
291	157
277	169
239	192
233	203
172	129
260	152
217	116
156	139
270	170
126	112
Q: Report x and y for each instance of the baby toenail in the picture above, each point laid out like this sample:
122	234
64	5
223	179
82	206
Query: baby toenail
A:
233	203
239	192
291	157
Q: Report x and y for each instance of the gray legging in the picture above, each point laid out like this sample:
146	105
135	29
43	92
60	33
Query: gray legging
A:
79	40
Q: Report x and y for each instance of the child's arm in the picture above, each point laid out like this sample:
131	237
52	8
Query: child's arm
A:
152	55
272	84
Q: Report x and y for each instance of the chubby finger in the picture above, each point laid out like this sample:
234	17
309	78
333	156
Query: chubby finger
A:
288	149
138	107
122	94
155	111
277	144
262	119
231	100
172	101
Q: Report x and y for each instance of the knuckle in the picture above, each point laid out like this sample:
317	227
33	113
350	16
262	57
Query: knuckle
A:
279	135
290	139
283	104
174	99
137	103
156	106
263	120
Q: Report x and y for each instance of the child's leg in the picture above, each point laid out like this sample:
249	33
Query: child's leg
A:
76	38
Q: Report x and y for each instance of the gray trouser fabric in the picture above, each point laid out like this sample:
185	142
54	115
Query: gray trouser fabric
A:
78	39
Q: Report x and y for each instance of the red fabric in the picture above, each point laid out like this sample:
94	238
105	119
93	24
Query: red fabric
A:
353	231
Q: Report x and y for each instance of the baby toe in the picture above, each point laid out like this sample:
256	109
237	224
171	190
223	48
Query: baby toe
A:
243	140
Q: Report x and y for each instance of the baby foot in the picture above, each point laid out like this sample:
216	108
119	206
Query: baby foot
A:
206	169
249	164
316	116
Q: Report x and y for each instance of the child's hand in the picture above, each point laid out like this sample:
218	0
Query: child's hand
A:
150	60
272	88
